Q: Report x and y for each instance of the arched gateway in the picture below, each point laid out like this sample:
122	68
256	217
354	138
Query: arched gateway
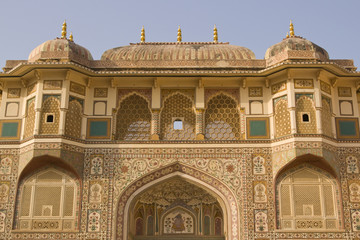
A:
177	202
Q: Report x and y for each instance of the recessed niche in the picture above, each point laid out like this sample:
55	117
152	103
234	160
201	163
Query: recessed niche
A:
305	117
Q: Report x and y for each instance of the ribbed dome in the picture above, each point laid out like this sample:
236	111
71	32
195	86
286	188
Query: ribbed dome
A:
191	54
295	48
62	50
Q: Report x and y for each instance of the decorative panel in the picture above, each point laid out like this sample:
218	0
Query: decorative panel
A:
14	92
257	127
100	92
12	109
278	87
77	88
255	92
347	127
346	108
325	87
31	88
344	92
10	129
256	107
303	83
100	108
98	128
52	85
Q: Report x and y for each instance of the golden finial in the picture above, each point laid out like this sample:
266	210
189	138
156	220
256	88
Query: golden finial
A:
215	34
292	34
287	35
63	32
142	35
179	37
71	37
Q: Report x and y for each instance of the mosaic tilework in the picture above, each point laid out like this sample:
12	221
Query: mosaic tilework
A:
30	118
305	105
51	105
282	117
177	106
73	120
326	117
119	172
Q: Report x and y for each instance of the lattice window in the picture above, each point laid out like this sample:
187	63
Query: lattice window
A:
30	119
177	107
133	119
305	105
307	200
282	118
74	120
51	105
48	202
222	119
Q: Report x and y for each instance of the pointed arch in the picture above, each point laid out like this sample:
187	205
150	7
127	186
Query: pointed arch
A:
222	193
222	118
177	107
307	195
48	198
133	118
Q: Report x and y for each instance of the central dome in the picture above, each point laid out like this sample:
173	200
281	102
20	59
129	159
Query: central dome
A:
191	54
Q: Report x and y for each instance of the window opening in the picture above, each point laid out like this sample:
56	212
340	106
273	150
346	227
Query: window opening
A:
50	118
305	117
178	124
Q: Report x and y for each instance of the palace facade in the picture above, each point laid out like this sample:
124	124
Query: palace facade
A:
179	140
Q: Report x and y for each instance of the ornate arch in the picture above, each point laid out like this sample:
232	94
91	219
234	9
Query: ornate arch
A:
139	117
228	200
178	110
226	127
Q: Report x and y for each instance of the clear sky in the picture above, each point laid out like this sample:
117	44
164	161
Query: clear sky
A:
99	25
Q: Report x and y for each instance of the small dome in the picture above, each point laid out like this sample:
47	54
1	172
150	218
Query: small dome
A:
60	49
295	48
183	54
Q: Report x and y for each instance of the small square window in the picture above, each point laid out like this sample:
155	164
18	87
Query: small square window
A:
305	117
50	118
178	123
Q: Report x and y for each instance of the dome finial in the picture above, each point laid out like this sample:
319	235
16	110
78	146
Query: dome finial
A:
215	34
179	37
287	35
142	35
292	34
63	32
71	37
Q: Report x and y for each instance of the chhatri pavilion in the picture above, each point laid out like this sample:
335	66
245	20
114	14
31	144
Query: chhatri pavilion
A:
179	140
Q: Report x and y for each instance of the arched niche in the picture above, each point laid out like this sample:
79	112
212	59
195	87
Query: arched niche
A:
223	195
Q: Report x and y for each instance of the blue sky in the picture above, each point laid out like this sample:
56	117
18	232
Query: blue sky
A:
257	24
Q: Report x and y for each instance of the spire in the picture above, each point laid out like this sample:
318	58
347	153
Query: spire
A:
179	37
71	37
215	34
63	32
142	35
292	34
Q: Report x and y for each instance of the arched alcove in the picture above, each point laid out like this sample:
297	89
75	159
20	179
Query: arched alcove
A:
181	193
